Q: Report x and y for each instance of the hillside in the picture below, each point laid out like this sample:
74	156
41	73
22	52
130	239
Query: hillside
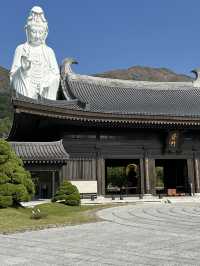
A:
145	74
5	106
5	103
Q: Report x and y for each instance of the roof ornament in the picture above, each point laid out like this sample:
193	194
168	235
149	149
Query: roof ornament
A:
66	67
196	82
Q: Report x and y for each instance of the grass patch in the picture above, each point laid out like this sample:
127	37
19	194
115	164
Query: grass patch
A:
19	219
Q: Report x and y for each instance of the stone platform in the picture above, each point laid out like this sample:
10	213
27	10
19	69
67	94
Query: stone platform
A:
117	200
145	198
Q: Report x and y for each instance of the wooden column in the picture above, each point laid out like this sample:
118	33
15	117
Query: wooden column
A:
152	176
53	183
196	171
103	190
142	187
61	176
146	173
190	165
100	174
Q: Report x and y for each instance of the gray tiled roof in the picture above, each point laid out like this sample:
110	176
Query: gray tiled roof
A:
41	152
69	104
134	97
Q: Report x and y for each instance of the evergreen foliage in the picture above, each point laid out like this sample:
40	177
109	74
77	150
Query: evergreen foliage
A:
15	182
5	126
67	194
116	176
5	103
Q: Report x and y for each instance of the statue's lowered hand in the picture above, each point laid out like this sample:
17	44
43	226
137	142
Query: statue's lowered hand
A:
25	63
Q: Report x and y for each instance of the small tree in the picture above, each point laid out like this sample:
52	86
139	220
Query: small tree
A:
67	194
15	182
116	176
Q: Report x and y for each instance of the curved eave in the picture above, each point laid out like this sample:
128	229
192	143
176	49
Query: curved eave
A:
102	118
41	152
44	162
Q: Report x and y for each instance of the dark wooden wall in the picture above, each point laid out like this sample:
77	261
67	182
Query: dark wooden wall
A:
90	144
89	149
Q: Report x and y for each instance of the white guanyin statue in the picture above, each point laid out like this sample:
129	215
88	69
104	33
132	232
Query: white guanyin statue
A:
35	71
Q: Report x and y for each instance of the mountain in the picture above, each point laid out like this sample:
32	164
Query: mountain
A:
5	106
145	74
4	79
5	103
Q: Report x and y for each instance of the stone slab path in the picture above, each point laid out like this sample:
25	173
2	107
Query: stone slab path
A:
141	234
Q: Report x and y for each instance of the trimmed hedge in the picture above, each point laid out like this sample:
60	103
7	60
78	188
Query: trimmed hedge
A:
67	194
15	182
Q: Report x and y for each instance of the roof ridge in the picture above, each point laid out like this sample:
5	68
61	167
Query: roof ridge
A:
161	85
37	142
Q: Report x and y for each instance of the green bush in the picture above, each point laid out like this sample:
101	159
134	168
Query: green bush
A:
6	201
5	124
67	194
15	182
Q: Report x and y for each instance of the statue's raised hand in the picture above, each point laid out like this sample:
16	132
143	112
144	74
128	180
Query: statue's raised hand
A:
25	63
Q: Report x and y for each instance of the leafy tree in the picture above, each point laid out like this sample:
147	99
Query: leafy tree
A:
159	176
116	176
15	182
67	194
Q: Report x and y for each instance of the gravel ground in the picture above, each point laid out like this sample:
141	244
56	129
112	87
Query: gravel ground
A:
141	234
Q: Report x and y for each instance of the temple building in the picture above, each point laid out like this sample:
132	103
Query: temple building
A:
44	160
111	136
107	136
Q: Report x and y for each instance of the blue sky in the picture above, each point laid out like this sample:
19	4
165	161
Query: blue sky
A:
111	34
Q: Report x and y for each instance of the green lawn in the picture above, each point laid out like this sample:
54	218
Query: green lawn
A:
19	219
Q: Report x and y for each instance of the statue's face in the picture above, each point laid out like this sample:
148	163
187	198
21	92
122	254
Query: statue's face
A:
36	35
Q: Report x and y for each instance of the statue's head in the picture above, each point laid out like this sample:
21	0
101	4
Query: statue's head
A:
36	27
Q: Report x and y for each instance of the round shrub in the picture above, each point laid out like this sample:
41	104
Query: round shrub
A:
67	194
6	201
15	182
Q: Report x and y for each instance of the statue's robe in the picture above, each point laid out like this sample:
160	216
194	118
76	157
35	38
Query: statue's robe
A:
21	81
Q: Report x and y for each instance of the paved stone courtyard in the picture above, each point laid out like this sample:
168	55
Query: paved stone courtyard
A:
140	234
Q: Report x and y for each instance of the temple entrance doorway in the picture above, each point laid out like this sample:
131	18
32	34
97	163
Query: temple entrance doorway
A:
172	177
46	183
122	176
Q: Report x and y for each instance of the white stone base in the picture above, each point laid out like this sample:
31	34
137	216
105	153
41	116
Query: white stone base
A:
85	187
